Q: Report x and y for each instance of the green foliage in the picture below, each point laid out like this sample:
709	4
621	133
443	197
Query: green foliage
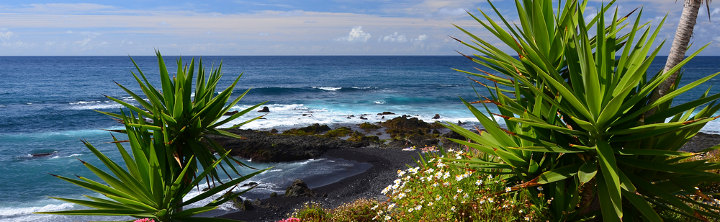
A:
140	190
575	115
436	191
182	117
358	210
168	136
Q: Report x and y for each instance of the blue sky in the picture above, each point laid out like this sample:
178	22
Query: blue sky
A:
274	27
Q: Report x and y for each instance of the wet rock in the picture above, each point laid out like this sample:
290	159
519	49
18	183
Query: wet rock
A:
369	126
266	147
385	113
313	129
249	184
265	109
437	116
231	113
298	189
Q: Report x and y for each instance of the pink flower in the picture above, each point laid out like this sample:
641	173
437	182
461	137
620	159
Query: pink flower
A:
292	219
145	220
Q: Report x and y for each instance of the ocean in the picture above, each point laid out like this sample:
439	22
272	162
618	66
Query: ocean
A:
47	106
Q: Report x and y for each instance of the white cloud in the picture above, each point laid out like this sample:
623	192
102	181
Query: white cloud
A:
715	11
395	37
356	35
420	38
4	36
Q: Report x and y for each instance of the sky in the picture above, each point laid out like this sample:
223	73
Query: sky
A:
276	27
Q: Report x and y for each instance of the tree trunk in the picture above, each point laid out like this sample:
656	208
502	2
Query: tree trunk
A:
679	46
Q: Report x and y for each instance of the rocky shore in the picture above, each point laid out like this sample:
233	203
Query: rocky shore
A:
384	145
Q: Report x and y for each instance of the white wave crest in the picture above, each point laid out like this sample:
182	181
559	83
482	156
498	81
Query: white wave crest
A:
6	212
327	88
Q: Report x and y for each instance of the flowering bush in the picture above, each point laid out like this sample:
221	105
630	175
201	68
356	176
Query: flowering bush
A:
144	220
292	219
437	191
358	210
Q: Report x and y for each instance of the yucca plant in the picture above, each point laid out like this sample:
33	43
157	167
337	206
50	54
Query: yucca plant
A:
140	189
182	118
574	109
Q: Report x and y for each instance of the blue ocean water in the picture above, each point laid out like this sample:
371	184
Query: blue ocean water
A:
47	106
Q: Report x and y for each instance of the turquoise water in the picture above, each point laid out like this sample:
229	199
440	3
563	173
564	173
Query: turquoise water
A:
47	103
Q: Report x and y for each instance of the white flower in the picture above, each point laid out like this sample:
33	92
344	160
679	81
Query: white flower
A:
430	170
438	197
440	163
397	181
459	190
384	191
482	201
391	206
491	200
459	177
452	208
478	182
435	184
418	207
446	175
430	204
438	174
508	189
400	173
410	210
446	184
387	217
401	195
540	188
520	211
374	207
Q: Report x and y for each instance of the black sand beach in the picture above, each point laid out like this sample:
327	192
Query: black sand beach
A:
385	163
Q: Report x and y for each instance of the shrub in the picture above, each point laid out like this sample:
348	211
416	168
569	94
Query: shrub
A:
576	115
436	191
358	210
171	152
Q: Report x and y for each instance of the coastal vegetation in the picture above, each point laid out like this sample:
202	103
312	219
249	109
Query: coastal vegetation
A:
577	141
168	136
574	116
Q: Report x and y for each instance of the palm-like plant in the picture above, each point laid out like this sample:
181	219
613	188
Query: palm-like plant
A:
183	118
140	189
168	136
574	116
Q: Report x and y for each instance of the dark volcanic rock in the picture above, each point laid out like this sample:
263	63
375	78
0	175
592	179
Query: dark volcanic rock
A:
266	147
265	109
437	116
298	189
313	129
385	113
700	142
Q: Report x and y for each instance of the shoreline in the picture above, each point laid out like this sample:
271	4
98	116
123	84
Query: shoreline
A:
385	163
